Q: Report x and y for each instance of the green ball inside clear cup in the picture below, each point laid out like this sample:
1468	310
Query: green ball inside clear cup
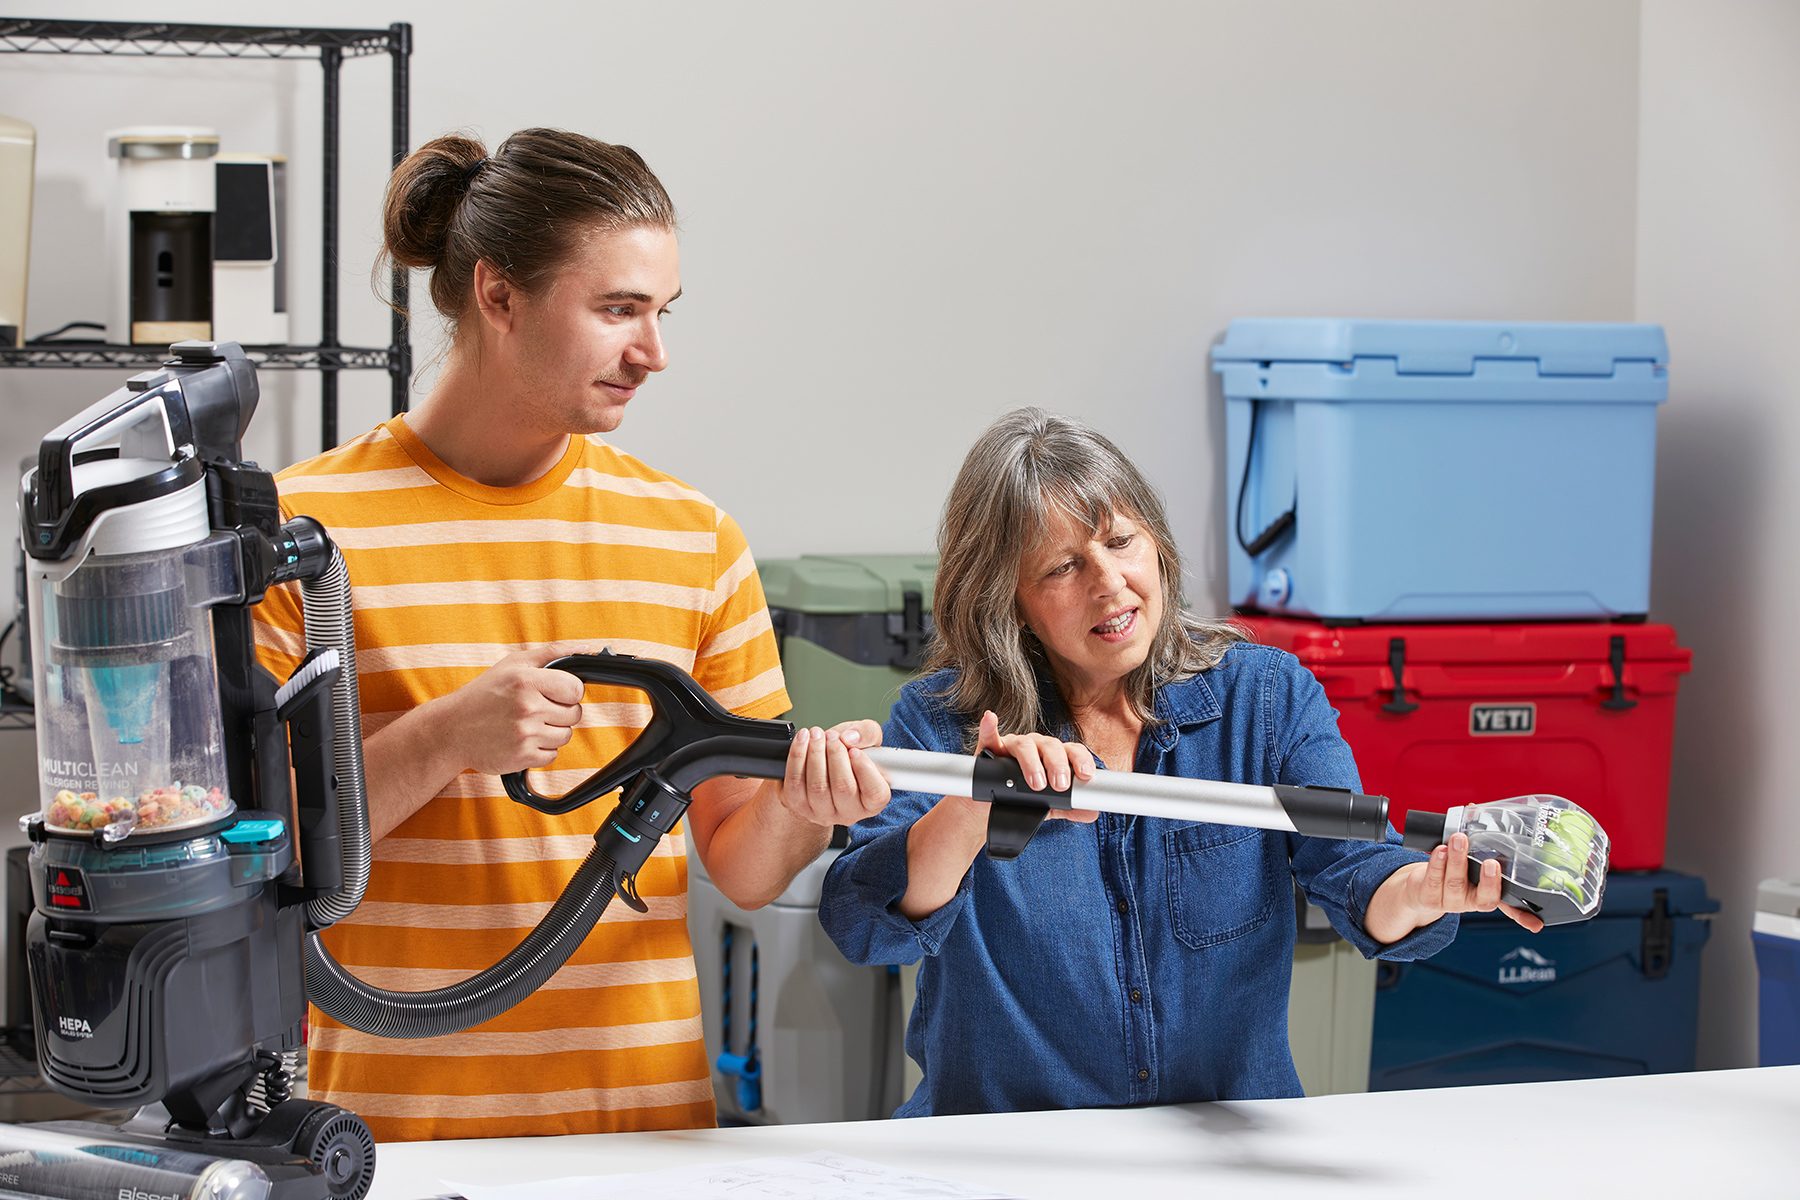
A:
1563	881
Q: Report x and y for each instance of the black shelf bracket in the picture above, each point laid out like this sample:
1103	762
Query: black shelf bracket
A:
96	354
150	39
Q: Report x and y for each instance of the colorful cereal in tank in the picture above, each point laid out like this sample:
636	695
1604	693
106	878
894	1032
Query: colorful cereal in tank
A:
154	808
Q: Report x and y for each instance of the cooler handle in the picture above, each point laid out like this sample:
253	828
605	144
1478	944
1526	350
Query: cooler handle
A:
1277	528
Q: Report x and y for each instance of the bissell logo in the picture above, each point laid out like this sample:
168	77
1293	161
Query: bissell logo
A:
131	1193
74	1027
1513	720
67	889
1526	965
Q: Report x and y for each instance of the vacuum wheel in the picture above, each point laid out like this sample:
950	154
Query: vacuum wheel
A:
343	1149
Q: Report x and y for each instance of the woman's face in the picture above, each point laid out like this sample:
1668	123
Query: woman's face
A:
1094	600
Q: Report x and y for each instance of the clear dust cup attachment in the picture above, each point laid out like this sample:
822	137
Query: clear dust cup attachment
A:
88	1165
129	733
1552	854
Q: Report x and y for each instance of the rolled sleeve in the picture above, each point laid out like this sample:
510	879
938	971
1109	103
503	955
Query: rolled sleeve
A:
1368	869
859	906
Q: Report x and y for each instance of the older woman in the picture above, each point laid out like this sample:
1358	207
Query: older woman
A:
1124	960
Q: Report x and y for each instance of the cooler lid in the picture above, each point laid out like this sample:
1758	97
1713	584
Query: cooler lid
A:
1632	894
1444	347
860	583
1474	643
1779	896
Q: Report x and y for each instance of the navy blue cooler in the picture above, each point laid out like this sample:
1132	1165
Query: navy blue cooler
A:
1775	934
1616	995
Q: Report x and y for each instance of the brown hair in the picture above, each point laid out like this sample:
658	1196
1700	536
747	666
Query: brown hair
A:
522	208
1028	466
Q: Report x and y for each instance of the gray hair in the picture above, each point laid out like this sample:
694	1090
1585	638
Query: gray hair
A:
1025	469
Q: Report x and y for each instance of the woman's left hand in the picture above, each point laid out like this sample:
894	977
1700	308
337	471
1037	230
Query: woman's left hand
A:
1420	893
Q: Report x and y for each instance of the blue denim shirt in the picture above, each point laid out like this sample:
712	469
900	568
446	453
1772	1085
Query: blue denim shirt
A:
1135	960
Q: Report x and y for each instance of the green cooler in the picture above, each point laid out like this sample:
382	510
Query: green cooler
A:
852	629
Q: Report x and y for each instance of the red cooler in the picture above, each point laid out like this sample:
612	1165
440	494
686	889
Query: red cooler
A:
1442	715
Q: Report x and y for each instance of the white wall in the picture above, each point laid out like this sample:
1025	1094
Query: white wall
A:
1718	256
903	218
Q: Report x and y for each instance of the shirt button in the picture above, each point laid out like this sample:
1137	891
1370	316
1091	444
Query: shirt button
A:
1124	908
1143	1073
1136	996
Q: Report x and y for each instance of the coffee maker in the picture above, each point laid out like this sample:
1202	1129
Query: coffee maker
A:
160	234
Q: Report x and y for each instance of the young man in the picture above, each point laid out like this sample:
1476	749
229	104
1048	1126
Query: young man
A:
487	532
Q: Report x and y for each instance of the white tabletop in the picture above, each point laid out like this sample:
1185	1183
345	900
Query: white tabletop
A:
1702	1135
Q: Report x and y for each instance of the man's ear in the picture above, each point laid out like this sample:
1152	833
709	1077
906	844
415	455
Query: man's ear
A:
495	298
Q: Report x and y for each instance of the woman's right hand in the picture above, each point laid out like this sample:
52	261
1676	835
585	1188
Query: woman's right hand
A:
1043	761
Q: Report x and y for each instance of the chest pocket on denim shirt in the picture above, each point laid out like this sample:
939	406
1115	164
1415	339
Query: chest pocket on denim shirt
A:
1219	883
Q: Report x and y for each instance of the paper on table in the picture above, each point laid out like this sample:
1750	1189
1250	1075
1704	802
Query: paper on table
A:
815	1177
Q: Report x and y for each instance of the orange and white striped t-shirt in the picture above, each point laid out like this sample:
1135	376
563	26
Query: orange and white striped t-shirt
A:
448	576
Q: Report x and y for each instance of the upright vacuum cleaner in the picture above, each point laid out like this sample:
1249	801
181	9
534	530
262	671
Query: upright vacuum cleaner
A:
174	945
175	875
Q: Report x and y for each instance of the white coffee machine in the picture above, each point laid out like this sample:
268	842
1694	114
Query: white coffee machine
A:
18	154
160	234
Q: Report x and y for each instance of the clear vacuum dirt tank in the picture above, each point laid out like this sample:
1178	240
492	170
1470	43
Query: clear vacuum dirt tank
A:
131	731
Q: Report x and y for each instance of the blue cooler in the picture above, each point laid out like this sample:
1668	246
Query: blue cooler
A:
1616	995
1776	934
1440	470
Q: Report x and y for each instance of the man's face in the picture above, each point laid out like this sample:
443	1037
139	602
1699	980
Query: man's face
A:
594	335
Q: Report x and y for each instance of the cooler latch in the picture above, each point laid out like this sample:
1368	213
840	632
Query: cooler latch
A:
1397	664
910	637
1657	951
1618	701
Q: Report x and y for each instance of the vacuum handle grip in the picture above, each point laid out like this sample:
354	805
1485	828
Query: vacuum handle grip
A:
683	717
